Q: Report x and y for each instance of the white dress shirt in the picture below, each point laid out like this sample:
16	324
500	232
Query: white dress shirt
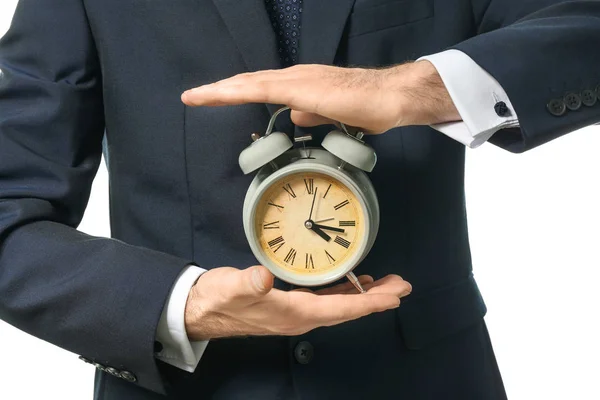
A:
474	92
177	349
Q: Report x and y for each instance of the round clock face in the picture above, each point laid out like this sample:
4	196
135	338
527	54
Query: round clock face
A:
309	223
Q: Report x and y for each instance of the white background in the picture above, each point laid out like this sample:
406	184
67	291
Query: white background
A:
534	223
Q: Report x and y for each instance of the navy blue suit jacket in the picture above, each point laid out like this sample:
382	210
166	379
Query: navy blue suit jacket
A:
76	72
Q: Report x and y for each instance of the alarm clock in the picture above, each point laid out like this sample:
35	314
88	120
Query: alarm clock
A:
310	214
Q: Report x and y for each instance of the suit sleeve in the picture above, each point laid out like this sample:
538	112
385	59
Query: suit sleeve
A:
544	53
97	297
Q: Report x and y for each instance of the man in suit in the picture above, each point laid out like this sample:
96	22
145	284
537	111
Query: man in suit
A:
155	308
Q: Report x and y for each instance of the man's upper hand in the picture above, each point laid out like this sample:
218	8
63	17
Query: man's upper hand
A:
227	302
374	100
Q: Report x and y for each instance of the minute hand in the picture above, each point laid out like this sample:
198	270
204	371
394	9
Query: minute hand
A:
329	228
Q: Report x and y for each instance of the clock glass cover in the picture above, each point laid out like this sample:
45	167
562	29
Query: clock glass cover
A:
309	223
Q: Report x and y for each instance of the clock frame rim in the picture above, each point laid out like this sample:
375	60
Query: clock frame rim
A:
322	162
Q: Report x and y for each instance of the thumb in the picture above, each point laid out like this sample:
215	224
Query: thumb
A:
257	280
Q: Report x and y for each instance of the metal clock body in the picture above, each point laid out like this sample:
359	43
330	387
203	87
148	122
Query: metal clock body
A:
305	164
310	215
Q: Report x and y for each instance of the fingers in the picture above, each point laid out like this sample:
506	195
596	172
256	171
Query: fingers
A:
318	94
341	303
338	308
337	289
251	77
381	295
305	290
300	87
235	94
267	86
345	287
391	284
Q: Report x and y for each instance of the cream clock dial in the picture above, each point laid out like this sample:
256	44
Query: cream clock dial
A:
309	223
310	214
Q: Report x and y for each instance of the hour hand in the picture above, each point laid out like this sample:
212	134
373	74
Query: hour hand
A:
329	228
313	227
319	232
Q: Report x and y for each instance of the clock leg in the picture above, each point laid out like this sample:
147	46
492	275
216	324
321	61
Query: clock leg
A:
352	278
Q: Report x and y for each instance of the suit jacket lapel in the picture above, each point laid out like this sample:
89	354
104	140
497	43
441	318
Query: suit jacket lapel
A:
251	30
323	23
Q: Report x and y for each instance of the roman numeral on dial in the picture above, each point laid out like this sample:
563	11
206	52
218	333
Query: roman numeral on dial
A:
342	242
310	185
272	225
329	257
276	243
291	256
327	191
347	223
309	261
275	205
288	188
342	204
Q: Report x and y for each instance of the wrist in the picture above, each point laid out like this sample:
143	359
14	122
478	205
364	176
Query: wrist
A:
206	318
194	316
422	97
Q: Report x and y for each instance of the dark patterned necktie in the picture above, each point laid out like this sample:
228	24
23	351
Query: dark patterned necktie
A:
285	19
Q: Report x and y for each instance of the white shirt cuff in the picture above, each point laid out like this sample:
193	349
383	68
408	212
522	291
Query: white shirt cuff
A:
177	349
474	93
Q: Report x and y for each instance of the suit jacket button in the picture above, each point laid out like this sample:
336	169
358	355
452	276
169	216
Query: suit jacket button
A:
588	97
573	101
556	107
128	376
113	372
304	352
100	367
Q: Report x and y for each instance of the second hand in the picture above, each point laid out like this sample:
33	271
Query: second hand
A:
313	204
324	220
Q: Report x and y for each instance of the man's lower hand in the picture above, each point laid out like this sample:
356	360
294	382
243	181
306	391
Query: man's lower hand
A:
227	302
